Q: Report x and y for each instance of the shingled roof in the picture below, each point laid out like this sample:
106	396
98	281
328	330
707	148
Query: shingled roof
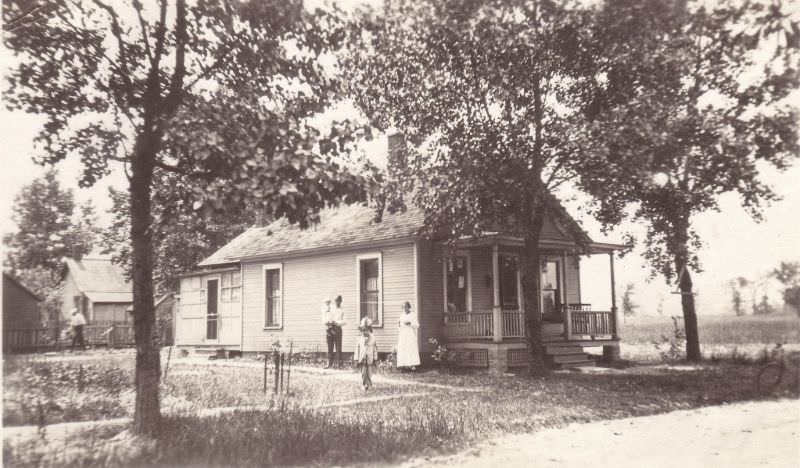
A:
100	280
338	227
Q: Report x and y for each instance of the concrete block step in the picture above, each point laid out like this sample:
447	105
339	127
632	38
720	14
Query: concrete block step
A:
553	350
589	363
570	358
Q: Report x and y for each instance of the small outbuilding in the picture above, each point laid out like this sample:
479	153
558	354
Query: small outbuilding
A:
98	288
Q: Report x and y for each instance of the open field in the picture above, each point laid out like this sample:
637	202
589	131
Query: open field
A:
721	336
327	419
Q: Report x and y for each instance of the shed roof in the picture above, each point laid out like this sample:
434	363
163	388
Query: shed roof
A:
21	286
339	227
100	280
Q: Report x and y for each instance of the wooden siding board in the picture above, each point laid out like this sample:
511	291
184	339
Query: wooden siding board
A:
307	280
190	322
20	309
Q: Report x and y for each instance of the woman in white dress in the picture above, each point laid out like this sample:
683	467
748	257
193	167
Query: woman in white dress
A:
407	343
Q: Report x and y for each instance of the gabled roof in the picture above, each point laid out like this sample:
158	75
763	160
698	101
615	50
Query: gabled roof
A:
341	227
21	286
344	226
100	280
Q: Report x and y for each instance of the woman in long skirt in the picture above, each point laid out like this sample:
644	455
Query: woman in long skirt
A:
407	343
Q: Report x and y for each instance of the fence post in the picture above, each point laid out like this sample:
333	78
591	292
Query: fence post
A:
277	362
266	359
289	371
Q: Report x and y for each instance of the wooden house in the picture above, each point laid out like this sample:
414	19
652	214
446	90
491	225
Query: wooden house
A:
21	307
268	285
98	288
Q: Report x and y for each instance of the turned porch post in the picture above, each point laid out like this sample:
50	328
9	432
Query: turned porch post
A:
497	313
614	333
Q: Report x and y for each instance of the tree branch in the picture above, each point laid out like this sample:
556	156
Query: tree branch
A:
173	98
116	30
137	5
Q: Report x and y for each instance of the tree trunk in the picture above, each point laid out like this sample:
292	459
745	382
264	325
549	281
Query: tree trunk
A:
147	413
681	245
689	314
531	279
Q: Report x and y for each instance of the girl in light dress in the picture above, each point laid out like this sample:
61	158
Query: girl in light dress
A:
366	353
407	342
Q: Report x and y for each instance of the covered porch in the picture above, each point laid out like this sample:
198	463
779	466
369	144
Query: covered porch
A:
497	323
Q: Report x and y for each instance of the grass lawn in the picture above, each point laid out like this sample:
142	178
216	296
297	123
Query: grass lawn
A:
412	419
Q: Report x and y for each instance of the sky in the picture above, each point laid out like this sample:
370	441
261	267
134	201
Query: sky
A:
735	245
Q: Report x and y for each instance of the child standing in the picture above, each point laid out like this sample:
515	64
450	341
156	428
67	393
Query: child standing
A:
366	352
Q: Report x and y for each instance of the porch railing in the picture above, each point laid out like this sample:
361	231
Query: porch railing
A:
474	325
590	324
580	323
513	324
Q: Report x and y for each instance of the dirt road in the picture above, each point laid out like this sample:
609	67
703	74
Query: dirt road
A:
759	434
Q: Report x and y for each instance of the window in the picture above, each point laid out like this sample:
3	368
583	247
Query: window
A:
551	294
273	296
509	282
457	287
370	300
231	287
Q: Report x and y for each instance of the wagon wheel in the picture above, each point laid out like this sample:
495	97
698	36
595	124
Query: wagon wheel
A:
768	379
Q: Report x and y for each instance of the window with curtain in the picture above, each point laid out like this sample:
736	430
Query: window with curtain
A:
369	270
272	299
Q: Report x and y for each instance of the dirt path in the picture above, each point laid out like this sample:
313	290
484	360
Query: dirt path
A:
758	434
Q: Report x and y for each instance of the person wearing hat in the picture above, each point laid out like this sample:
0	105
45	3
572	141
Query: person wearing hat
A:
77	321
366	353
333	319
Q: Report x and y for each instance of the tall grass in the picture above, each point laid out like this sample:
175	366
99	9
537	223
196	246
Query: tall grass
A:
729	330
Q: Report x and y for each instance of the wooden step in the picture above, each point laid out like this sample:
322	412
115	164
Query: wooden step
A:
553	327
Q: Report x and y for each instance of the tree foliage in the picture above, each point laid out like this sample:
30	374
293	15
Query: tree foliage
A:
788	273
222	94
629	307
487	94
690	94
180	242
47	229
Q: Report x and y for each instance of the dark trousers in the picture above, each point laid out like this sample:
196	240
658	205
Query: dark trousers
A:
334	338
77	336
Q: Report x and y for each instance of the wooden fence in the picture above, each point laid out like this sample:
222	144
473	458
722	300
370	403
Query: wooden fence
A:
112	335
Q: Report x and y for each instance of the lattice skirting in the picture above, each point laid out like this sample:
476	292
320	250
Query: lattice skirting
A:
471	357
517	357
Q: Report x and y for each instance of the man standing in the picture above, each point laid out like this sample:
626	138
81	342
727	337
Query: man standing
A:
77	321
333	319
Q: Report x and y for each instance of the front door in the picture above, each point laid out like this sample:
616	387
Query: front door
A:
212	309
509	282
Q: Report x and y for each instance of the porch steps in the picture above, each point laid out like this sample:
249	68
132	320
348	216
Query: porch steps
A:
564	354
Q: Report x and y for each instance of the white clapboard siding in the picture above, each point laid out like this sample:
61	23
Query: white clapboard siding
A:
190	326
306	281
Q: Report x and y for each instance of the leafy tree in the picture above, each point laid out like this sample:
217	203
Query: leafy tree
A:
628	306
686	96
219	93
46	232
180	242
487	95
788	273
